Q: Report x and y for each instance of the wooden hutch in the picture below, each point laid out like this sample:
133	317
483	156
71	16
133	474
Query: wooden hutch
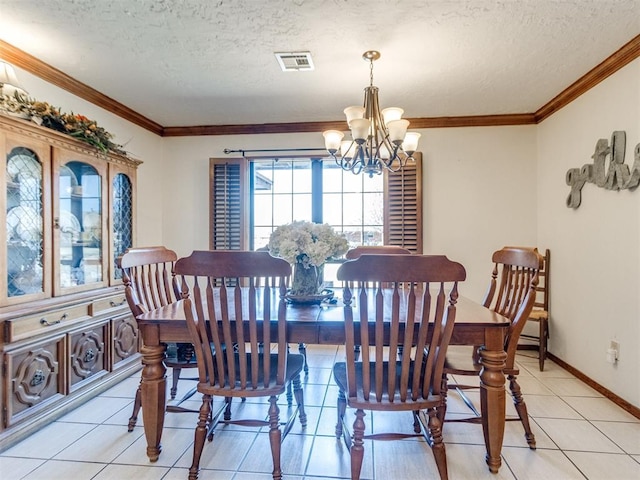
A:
66	333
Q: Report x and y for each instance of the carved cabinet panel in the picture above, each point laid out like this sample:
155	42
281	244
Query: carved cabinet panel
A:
88	356
126	340
35	378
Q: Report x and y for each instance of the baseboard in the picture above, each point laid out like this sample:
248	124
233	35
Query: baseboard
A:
621	402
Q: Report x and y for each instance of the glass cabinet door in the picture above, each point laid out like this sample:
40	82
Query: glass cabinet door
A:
24	208
78	221
121	218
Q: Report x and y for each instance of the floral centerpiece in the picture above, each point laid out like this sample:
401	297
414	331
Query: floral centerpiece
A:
307	246
75	125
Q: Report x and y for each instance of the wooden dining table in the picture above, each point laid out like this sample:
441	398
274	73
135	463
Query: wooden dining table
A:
323	324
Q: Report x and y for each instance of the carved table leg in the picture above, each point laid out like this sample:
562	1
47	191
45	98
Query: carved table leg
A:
154	390
492	398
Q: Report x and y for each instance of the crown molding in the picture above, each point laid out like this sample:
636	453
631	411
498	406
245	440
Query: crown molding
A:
622	57
56	77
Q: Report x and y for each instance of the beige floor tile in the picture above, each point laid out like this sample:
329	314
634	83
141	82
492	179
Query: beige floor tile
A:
64	470
226	452
404	459
102	444
321	361
533	386
514	435
600	408
13	468
314	395
605	466
119	472
465	462
327	421
625	435
183	473
539	464
49	441
175	442
330	458
545	406
293	456
551	370
317	376
125	389
577	435
96	410
569	387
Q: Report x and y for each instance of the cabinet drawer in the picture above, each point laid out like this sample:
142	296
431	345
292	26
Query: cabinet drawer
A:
88	357
126	340
34	378
104	304
28	326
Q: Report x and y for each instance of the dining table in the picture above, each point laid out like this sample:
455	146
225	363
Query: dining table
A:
323	324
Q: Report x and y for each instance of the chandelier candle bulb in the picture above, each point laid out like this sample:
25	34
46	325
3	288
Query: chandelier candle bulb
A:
332	139
360	128
353	113
397	130
410	143
392	113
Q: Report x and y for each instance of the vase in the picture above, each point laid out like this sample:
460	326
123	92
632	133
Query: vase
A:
306	280
306	286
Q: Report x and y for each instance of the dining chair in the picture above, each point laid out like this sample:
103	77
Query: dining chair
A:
147	277
540	311
224	308
511	293
356	252
417	313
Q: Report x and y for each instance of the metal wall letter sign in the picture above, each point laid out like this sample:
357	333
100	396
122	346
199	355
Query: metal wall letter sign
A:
616	177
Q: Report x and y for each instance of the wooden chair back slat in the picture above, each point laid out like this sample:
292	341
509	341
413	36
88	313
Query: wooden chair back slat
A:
400	318
239	319
512	290
147	276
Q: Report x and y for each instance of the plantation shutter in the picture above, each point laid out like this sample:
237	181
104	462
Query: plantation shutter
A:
228	216
403	206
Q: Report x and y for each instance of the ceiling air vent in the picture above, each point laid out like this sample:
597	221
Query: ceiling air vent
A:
294	61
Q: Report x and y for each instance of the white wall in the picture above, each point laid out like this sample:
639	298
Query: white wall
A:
141	143
479	191
595	290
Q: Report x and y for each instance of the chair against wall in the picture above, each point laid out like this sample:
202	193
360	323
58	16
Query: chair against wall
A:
540	311
147	276
225	308
380	381
511	293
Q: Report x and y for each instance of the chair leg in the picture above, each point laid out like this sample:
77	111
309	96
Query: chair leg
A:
356	351
137	403
357	445
439	453
275	436
444	391
289	395
297	390
342	409
227	410
302	348
544	335
200	435
174	383
521	408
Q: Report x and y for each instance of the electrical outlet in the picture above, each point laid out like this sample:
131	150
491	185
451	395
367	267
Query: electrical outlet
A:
613	352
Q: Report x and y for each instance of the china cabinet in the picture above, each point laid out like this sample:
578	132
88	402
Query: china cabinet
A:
66	333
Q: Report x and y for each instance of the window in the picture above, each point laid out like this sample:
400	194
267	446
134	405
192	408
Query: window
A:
250	197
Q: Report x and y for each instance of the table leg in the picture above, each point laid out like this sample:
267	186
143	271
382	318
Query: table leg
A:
154	391
492	397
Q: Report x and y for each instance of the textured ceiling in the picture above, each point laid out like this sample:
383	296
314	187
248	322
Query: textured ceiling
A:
211	62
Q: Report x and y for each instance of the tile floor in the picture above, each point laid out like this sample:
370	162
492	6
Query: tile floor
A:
580	434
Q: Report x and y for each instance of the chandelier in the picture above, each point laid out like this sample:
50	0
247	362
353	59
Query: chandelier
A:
380	140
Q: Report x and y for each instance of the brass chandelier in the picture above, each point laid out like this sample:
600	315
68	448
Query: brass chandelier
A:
380	140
